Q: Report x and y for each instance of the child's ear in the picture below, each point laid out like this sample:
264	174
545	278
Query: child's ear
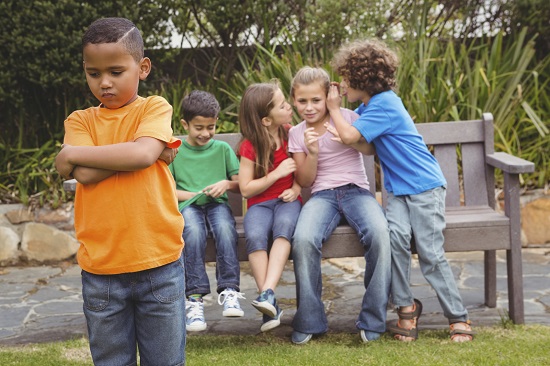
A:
185	124
144	68
266	121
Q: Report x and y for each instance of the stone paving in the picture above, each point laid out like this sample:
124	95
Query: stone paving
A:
44	304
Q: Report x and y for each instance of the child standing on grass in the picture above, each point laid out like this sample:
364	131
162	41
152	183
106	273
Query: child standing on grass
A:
412	177
204	170
126	215
266	179
339	190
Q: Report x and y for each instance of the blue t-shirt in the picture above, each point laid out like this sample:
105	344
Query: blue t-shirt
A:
408	165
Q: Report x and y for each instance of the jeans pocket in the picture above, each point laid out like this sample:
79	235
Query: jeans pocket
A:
168	282
95	291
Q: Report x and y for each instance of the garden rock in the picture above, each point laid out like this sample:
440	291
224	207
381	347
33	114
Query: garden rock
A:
44	243
9	241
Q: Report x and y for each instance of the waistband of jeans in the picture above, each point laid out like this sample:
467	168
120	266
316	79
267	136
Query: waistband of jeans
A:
346	186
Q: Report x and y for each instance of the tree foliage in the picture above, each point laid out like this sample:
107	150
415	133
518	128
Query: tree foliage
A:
41	76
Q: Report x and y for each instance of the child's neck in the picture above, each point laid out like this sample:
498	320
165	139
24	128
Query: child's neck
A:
320	125
274	132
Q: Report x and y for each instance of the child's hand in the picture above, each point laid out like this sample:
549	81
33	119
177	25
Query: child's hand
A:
62	164
334	99
311	139
289	195
217	189
330	128
287	166
168	155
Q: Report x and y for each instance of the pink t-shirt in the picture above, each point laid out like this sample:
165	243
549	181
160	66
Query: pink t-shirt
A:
247	151
337	164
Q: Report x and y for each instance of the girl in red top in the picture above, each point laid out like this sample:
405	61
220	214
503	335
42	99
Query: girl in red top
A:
266	179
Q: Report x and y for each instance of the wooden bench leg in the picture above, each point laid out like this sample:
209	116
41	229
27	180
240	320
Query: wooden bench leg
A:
490	278
513	255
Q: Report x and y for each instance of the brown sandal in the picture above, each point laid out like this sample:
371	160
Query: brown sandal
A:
462	332
412	332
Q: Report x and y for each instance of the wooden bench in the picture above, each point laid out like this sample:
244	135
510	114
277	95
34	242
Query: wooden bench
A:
465	151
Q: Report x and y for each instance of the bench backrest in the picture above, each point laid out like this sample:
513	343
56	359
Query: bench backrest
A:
459	147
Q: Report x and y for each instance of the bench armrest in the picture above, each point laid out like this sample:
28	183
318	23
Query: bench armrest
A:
69	185
509	163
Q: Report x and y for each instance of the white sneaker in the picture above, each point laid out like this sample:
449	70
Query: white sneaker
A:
194	319
230	302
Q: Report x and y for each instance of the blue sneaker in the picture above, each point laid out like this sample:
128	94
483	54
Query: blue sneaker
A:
269	322
300	338
230	302
194	319
266	303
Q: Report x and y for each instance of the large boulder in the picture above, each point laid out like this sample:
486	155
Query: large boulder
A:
46	243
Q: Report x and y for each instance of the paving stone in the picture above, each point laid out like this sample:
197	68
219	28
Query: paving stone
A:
28	274
15	290
58	307
47	293
13	316
39	304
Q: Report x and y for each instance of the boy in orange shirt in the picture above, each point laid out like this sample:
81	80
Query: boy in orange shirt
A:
126	211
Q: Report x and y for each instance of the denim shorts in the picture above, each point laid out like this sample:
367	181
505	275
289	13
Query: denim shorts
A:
144	309
269	220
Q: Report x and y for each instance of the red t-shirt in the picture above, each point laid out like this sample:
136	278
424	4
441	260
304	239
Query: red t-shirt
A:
247	151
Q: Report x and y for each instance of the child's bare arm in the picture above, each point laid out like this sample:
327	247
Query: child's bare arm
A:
185	195
348	134
306	168
217	189
127	156
234	184
251	187
362	145
85	175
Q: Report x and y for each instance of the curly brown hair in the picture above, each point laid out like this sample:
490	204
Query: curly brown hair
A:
367	65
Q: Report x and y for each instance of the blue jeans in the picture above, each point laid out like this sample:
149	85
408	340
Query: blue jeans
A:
424	216
217	219
318	219
145	308
269	220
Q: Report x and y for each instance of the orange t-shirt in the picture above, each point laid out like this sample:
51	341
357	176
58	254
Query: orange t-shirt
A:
130	221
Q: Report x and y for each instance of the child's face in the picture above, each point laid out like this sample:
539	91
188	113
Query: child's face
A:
353	95
112	74
310	102
281	113
200	130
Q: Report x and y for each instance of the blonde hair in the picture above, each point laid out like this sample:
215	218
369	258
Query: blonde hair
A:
308	75
256	104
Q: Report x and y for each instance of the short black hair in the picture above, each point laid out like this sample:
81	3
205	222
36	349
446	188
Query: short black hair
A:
114	30
199	103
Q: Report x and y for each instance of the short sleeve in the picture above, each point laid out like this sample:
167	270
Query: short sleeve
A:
247	150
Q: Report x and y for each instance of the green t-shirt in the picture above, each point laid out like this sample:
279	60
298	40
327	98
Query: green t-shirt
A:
196	167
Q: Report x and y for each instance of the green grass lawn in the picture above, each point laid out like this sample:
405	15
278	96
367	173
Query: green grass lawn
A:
511	345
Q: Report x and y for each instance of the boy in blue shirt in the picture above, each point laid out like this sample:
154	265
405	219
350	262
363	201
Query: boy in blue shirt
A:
204	170
412	177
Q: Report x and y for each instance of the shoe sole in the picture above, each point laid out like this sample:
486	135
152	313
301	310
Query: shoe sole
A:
233	313
265	308
271	324
196	328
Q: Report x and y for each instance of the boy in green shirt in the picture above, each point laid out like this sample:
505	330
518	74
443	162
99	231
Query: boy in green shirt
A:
204	170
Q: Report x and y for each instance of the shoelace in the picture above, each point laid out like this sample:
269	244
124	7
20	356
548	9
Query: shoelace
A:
194	310
230	297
